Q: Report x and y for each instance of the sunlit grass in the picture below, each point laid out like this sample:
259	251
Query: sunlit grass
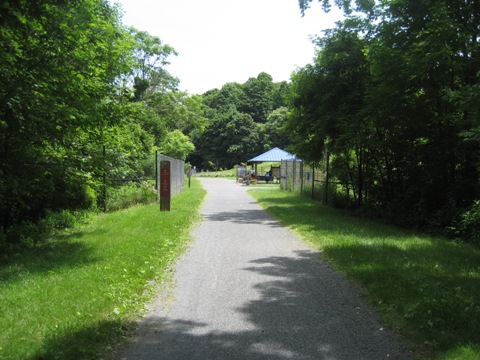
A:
231	173
75	295
426	288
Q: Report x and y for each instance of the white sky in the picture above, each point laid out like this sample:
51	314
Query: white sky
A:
221	41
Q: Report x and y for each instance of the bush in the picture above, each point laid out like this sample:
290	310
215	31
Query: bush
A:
467	227
28	233
63	219
129	195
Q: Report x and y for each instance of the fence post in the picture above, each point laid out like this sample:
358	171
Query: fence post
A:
327	161
313	181
302	180
294	173
156	169
189	175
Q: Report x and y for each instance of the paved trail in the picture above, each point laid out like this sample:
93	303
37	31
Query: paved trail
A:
249	289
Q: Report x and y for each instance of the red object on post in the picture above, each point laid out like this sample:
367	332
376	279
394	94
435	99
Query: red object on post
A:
164	185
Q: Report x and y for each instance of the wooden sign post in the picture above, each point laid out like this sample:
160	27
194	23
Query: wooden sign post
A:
164	185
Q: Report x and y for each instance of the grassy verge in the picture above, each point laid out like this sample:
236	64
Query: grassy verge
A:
426	288
232	173
221	173
76	294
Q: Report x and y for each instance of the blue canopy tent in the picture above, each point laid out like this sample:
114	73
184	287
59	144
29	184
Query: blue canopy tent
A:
274	155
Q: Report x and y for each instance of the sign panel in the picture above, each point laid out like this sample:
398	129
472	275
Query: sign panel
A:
165	186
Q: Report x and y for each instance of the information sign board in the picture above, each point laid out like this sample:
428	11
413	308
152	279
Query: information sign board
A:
165	181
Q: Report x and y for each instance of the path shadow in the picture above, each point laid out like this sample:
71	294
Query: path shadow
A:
431	283
435	287
304	310
253	216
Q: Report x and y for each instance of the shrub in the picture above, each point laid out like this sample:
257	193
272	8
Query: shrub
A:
129	195
28	233
63	219
467	227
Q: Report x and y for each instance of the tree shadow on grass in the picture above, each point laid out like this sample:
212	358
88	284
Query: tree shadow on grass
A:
90	343
433	288
302	310
61	250
431	285
313	216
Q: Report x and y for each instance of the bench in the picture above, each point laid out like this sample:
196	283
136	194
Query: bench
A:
264	178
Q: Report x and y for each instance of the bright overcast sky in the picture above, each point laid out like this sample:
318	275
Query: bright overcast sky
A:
221	41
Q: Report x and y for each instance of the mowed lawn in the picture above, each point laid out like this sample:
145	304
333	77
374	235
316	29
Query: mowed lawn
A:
76	295
425	288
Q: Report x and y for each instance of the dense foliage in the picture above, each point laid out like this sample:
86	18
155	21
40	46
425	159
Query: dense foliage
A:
84	103
58	66
243	121
393	96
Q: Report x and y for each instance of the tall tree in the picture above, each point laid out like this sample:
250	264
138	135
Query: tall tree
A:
348	6
230	139
418	112
328	100
259	93
176	144
231	94
420	59
275	132
151	57
58	65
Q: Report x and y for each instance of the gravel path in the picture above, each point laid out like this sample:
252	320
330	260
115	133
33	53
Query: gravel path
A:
249	289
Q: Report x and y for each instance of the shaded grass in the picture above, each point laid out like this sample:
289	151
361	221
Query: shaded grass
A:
426	288
75	295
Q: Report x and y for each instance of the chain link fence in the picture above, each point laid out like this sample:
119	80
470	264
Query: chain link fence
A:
298	177
177	173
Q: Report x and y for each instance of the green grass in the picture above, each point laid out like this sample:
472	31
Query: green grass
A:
125	196
425	288
231	173
221	173
75	295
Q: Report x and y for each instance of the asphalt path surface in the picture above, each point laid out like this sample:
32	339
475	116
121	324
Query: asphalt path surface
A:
248	288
